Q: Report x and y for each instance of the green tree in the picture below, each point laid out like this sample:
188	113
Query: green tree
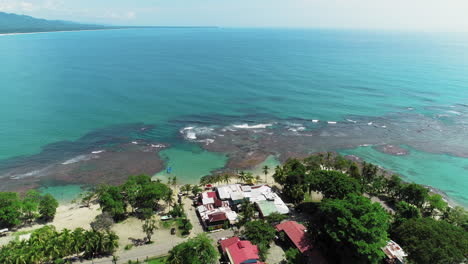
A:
185	226
186	188
260	233
151	194
355	227
111	200
457	216
265	171
132	188
226	178
48	207
369	173
291	176
393	186
275	218
198	250
30	204
87	197
354	171
247	211
148	227
10	209
341	164
293	256
313	162
436	205
429	241
405	210
196	190
332	184
279	176
414	194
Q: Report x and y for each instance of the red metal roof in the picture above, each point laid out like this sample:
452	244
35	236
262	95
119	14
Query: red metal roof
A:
212	195
218	203
228	242
296	232
217	217
243	251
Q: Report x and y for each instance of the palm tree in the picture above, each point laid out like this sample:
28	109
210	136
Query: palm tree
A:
265	171
110	242
249	178
78	241
226	178
248	210
169	180
329	160
242	176
169	199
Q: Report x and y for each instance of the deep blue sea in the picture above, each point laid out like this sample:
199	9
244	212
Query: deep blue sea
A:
61	86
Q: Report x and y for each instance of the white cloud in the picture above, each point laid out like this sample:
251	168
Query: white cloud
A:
26	6
7	6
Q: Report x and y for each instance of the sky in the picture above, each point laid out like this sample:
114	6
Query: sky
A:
427	15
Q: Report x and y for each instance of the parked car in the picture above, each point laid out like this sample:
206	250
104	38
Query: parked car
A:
166	217
173	231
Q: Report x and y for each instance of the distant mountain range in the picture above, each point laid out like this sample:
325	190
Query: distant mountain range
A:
13	23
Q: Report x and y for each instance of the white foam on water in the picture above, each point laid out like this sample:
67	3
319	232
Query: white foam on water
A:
247	126
192	133
370	123
454	112
206	141
34	173
77	159
135	142
352	121
158	146
315	120
331	122
97	151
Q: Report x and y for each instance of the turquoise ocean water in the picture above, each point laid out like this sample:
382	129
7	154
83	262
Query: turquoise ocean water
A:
60	86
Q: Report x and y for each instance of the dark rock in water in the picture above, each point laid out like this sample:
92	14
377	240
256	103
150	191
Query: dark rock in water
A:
392	150
107	155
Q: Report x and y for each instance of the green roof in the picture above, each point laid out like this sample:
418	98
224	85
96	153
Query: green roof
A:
267	207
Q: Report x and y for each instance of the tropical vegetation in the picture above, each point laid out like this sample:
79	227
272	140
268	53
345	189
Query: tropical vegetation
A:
347	225
33	206
47	245
197	250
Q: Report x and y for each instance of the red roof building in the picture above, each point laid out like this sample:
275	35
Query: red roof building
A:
240	251
296	233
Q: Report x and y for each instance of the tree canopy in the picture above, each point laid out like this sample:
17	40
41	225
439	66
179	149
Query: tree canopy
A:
353	227
429	241
197	250
260	233
46	245
10	209
140	192
48	207
332	184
